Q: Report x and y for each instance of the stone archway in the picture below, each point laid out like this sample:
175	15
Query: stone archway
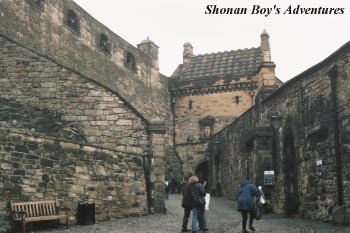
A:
291	176
201	169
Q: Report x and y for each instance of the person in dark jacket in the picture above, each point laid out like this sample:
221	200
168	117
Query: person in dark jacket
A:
166	190
198	212
245	203
187	203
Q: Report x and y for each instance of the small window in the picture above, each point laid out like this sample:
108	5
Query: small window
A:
72	20
237	99
105	45
37	3
190	104
130	62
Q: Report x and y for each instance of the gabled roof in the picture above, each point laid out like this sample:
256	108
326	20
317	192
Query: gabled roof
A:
221	64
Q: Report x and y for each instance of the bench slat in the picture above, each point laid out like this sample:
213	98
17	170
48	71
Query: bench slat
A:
30	211
34	211
37	210
51	209
40	210
46	208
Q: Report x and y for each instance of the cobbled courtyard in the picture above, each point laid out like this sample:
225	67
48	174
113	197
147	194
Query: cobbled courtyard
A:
222	218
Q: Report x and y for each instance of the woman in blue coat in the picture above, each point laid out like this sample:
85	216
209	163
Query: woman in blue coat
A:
245	203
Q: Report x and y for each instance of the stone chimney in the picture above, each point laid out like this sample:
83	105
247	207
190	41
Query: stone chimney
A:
188	52
265	46
148	47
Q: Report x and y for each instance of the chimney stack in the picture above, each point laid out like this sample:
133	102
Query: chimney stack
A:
265	46
188	52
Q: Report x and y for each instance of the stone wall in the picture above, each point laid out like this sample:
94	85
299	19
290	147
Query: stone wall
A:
36	168
173	165
99	114
248	146
83	84
38	96
191	154
44	30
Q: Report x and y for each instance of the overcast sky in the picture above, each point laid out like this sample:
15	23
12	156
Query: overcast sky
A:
297	41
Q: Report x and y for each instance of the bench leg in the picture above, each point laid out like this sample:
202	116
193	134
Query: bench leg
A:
23	226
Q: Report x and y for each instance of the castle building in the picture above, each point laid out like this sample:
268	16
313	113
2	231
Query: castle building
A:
209	91
87	117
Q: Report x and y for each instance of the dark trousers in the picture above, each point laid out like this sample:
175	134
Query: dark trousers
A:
187	212
245	217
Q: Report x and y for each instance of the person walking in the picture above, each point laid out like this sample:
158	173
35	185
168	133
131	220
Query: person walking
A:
187	203
166	190
245	203
198	212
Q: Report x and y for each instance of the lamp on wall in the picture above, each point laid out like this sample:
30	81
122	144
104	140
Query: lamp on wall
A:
275	121
275	124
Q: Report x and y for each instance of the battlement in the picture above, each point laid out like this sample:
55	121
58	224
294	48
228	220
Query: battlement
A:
65	33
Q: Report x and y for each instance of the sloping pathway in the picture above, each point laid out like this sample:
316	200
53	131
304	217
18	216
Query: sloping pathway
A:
222	218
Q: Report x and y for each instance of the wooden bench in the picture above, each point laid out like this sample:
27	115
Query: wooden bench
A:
25	212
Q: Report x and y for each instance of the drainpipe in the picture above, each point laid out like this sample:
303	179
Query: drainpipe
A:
333	74
173	109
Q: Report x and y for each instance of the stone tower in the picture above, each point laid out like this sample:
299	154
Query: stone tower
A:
148	47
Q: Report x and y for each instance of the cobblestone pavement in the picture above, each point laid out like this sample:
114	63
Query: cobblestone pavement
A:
222	218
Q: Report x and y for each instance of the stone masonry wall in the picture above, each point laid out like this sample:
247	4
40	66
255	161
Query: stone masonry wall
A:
39	97
102	117
44	30
306	107
191	154
37	168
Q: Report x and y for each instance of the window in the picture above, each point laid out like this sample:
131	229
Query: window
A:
130	62
72	20
190	104
190	139
36	3
237	99
105	45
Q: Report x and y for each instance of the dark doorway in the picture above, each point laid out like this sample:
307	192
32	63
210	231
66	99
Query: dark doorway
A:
202	173
291	176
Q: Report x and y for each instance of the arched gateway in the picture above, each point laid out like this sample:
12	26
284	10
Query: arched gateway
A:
201	169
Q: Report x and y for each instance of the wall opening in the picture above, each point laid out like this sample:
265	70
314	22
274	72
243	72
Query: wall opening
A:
291	176
72	20
202	171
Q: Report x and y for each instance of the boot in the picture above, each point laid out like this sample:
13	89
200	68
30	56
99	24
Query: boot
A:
251	228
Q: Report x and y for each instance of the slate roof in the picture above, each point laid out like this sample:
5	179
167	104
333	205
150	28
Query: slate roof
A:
222	64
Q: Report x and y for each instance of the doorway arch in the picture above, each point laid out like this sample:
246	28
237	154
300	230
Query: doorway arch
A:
201	169
291	175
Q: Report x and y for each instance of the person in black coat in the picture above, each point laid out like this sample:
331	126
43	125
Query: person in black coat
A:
245	203
187	203
198	212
